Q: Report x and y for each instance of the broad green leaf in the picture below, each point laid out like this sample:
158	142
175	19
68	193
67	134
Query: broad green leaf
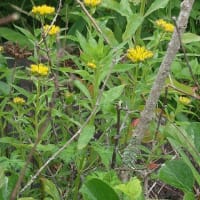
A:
2	176
22	91
187	161
47	147
176	173
112	94
4	88
109	35
85	136
180	86
157	4
96	189
28	34
7	185
132	189
50	189
183	138
83	89
133	22
193	130
114	5
190	37
69	153
189	196
12	141
26	198
14	161
122	67
82	41
78	25
14	36
84	74
104	153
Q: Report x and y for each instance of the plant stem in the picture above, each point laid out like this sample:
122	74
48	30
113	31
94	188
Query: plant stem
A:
37	106
142	10
78	178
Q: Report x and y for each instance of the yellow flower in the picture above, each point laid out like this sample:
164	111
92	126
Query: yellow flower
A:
165	25
184	100
1	48
40	69
19	100
91	65
53	30
139	54
43	10
92	3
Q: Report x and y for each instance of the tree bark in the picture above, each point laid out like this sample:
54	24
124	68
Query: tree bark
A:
148	112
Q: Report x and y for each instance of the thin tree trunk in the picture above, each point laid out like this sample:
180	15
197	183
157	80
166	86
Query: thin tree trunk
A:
148	112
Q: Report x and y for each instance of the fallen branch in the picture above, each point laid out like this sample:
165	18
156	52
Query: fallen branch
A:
148	112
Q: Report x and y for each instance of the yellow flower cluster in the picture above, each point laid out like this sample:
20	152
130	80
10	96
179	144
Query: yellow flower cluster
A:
91	65
184	100
43	10
19	100
40	69
139	54
168	27
92	3
53	30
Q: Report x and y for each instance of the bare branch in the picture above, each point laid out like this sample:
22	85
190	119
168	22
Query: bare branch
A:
93	21
8	19
148	112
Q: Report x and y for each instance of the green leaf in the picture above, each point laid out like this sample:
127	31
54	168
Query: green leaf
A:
96	189
69	153
133	22
189	163
193	131
12	141
132	189
112	94
47	147
189	196
104	153
190	37
180	86
83	89
50	189
114	5
157	4
28	34
26	198
7	184
176	173
14	36
4	88
85	136
109	34
22	91
122	67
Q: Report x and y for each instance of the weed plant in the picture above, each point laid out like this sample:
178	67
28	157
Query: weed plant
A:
74	77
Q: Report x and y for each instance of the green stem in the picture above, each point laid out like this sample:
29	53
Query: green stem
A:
159	40
96	86
37	107
78	178
142	11
142	7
